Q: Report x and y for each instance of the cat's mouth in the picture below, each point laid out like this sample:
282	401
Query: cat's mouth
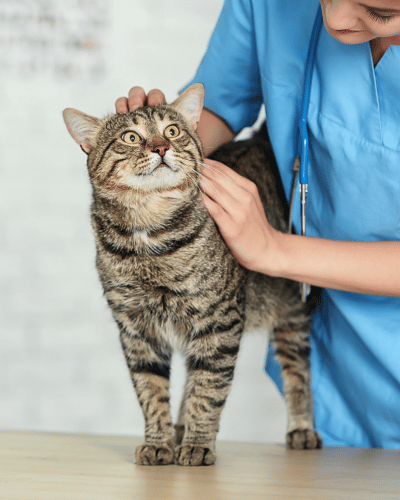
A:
163	175
163	165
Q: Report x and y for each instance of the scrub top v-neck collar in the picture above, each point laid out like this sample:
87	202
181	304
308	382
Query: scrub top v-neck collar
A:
387	83
343	80
354	143
362	98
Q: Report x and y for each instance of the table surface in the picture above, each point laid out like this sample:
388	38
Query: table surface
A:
50	466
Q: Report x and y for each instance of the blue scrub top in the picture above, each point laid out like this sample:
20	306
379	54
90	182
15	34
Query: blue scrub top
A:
257	54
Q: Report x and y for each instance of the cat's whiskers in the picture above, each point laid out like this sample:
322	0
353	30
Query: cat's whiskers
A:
204	180
199	174
201	177
218	172
194	171
211	185
194	180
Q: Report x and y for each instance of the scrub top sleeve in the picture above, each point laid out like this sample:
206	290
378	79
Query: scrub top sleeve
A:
229	70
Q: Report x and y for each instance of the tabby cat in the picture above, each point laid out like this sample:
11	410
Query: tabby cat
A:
171	281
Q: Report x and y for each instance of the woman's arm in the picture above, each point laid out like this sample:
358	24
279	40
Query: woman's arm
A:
363	267
213	131
234	203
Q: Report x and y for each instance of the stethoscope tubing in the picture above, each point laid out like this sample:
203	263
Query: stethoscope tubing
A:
303	152
301	160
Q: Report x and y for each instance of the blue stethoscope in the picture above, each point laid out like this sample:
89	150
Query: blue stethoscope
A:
301	160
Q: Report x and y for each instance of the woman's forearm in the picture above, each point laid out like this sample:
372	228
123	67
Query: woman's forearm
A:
363	267
213	131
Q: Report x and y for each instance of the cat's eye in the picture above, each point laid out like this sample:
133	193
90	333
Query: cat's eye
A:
131	138
171	131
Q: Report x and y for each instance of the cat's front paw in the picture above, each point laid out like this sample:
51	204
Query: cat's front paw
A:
188	454
154	454
307	439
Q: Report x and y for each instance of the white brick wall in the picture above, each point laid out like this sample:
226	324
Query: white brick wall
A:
61	367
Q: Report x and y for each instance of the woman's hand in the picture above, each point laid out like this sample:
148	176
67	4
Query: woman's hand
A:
235	205
137	98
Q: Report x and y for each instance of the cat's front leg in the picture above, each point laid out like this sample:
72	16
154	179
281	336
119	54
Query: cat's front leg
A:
210	365
149	367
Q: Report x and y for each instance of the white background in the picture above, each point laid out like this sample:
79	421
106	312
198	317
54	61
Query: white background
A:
61	366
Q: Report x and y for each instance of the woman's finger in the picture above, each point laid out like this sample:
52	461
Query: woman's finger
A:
223	189
155	97
220	217
121	105
214	209
223	169
237	185
136	98
218	192
244	234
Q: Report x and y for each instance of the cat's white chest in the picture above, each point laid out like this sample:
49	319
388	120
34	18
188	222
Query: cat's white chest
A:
142	237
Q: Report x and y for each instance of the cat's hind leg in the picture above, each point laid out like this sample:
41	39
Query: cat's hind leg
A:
293	351
149	367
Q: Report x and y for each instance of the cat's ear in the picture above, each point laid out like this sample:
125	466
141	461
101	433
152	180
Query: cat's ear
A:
190	103
83	128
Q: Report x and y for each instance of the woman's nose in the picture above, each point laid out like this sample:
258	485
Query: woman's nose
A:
340	14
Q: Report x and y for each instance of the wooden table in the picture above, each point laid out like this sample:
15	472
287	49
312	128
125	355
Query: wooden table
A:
46	466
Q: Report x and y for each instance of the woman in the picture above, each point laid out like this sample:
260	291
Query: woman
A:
257	53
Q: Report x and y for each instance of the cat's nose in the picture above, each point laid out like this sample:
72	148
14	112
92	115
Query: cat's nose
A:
160	149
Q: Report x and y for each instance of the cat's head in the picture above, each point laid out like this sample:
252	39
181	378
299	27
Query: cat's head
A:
153	149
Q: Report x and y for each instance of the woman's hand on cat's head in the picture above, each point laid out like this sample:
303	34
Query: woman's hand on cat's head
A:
138	98
235	205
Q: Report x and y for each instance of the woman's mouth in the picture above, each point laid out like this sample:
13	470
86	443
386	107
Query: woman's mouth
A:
346	31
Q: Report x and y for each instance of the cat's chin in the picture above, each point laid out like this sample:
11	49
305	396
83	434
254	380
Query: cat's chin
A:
166	179
162	174
162	179
154	186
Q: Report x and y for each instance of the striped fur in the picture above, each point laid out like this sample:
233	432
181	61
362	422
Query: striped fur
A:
171	282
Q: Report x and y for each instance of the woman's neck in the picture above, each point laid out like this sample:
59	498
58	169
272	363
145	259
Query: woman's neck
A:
381	44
